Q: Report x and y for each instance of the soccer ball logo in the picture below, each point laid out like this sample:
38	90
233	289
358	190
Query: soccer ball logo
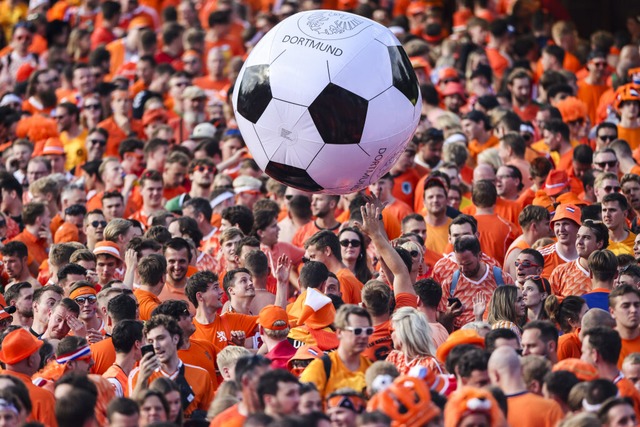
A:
327	101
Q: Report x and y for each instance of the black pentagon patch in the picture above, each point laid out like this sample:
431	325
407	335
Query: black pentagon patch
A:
255	92
404	78
339	115
292	176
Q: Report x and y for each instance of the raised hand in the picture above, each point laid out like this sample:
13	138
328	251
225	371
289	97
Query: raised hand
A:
479	305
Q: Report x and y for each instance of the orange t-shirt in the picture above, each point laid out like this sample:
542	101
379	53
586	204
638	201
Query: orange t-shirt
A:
380	343
350	286
404	186
552	259
627	389
430	260
294	253
590	95
566	161
117	135
530	410
218	332
398	209
37	247
202	354
229	418
42	400
570	279
104	355
118	380
507	209
306	231
170	292
569	346
475	147
198	379
628	347
631	135
498	62
527	113
496	235
147	302
438	237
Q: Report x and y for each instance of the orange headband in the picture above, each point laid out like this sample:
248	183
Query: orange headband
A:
85	290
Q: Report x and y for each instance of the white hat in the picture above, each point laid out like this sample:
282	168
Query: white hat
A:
203	130
246	183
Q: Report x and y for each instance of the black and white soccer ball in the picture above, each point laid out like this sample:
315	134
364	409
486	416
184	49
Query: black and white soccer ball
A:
327	101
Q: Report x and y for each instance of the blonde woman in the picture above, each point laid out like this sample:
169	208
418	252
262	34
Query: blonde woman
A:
418	267
412	342
79	46
506	308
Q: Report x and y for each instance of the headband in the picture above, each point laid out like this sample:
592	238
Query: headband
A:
5	405
245	188
85	290
221	198
353	403
78	354
593	408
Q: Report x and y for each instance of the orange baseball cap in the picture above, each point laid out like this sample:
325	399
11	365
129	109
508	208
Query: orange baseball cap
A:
448	73
581	369
416	7
272	314
557	181
572	109
454	88
53	146
155	115
139	22
461	336
106	247
67	232
567	211
18	345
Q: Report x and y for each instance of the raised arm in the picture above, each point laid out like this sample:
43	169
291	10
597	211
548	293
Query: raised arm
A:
372	226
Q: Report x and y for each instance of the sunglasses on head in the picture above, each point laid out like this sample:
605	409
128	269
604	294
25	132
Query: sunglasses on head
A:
91	299
345	243
96	224
358	331
610	163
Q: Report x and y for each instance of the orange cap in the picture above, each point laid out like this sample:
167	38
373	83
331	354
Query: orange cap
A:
572	109
67	232
407	402
24	72
53	146
274	318
557	180
471	400
155	115
448	73
107	248
18	345
542	199
416	7
566	211
139	22
453	88
581	369
461	336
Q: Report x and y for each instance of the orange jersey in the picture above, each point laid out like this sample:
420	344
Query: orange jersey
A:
104	355
170	292
530	410
306	231
206	262
229	418
404	186
43	402
628	347
117	135
398	209
203	354
507	209
118	380
569	346
38	248
590	95
627	389
294	253
438	237
570	279
404	365
498	61
218	332
198	379
350	286
447	265
526	113
147	302
552	259
475	147
380	343
496	235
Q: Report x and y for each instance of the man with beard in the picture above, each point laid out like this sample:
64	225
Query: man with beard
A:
435	202
121	124
151	187
63	319
429	153
624	305
323	208
592	87
94	224
519	83
194	102
41	95
196	386
177	252
614	214
565	223
14	256
72	135
630	184
44	299
20	295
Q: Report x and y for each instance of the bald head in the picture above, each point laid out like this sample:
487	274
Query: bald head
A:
630	53
505	359
484	171
596	317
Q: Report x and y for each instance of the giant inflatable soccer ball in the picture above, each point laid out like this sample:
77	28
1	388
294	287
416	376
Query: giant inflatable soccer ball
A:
327	101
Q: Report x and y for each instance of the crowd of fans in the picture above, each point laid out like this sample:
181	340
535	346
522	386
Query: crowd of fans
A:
153	275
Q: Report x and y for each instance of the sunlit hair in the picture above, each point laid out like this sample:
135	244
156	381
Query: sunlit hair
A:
413	330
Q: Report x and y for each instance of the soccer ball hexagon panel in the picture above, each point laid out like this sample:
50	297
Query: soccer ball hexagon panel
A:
326	101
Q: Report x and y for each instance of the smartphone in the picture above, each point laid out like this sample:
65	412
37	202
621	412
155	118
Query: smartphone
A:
455	301
147	349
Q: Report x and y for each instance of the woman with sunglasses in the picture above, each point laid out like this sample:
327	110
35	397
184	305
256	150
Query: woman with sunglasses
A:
535	291
91	113
354	253
412	342
506	309
418	266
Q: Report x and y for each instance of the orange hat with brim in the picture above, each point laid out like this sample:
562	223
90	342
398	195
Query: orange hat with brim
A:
416	7
67	232
542	199
581	369
274	318
454	88
459	337
557	181
53	146
18	345
571	212
155	115
306	352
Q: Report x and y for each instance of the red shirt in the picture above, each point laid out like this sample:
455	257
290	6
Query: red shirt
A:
280	354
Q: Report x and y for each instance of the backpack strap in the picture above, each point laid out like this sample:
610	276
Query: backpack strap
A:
326	362
454	282
497	274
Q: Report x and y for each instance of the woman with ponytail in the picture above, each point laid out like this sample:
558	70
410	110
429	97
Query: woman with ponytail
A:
567	313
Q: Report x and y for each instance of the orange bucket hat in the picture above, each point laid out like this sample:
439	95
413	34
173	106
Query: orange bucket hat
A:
461	336
18	345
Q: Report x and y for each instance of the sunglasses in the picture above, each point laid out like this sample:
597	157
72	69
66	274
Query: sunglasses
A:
610	163
607	137
91	299
611	189
96	224
97	141
91	107
600	64
358	331
345	243
526	264
204	169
